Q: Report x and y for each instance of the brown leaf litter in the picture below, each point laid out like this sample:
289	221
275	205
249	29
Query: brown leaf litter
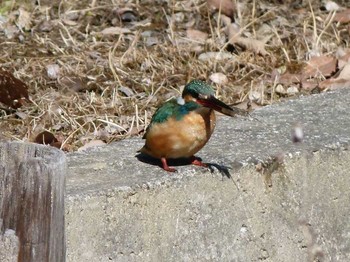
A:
97	70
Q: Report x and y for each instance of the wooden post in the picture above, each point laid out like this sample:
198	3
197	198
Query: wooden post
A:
9	246
32	183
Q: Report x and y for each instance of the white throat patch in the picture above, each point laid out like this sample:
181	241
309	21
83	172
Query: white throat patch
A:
180	101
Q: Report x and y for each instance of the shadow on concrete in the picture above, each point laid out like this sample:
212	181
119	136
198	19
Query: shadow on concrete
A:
156	162
224	170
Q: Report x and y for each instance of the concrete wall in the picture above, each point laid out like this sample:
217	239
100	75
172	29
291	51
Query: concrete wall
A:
300	211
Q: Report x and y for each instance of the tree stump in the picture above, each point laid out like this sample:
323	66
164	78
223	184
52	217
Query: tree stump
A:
32	183
9	246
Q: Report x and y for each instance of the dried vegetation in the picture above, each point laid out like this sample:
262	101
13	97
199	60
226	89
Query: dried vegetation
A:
97	70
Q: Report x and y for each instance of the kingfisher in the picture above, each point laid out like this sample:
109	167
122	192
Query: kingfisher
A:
182	126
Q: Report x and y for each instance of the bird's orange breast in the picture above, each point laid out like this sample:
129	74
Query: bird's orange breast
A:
180	138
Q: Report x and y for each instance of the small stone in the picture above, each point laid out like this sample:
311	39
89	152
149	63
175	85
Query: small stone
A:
179	17
218	56
280	90
128	16
332	6
196	35
292	90
297	133
218	78
126	91
254	95
53	71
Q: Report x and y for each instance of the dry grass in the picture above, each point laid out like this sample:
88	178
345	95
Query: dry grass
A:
87	102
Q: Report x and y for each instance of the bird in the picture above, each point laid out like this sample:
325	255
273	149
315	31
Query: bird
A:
182	126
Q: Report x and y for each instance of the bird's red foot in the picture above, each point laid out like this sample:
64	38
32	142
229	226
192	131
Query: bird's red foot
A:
197	162
166	167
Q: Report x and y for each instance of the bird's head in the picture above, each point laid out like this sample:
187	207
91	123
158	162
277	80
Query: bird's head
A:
197	89
203	94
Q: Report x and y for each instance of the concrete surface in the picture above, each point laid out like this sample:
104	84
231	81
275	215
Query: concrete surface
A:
293	206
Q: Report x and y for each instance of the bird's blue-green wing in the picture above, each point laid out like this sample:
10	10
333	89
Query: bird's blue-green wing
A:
166	111
163	113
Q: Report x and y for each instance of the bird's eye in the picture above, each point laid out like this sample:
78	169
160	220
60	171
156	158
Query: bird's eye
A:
201	96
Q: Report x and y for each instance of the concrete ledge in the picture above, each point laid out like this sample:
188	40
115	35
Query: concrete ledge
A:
121	209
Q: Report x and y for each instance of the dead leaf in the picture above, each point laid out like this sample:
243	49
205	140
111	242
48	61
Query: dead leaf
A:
309	84
320	65
69	22
194	48
345	73
46	25
10	30
102	134
342	17
123	14
72	83
92	143
226	7
24	20
21	115
178	17
13	92
317	66
45	138
151	37
255	45
343	58
70	16
233	32
333	84
48	138
342	81
126	91
288	78
255	96
196	35
134	131
115	30
126	15
218	78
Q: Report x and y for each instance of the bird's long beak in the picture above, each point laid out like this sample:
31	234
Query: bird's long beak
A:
216	104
